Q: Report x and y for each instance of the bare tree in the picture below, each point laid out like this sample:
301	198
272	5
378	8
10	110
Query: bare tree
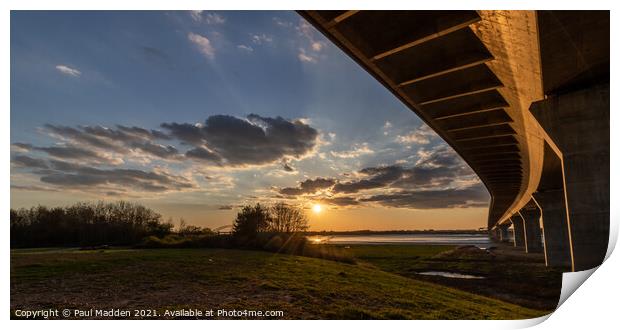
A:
287	219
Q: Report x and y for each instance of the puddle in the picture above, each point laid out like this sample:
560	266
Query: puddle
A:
452	275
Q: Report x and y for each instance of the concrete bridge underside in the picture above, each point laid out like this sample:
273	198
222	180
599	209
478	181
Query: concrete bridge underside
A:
522	96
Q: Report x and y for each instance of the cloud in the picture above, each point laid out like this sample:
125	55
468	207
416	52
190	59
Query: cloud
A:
317	46
309	186
32	188
439	156
77	153
377	177
302	56
196	15
29	162
68	70
310	45
439	172
245	48
81	137
209	18
433	199
282	23
287	168
341	201
261	38
422	135
202	44
225	207
230	141
358	151
70	175
213	18
122	139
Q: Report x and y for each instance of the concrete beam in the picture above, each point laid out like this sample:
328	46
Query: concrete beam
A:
555	228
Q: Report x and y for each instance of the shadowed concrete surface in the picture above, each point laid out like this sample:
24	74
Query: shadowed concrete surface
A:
522	96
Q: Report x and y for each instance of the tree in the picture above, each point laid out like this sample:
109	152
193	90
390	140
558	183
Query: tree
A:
85	224
287	219
250	221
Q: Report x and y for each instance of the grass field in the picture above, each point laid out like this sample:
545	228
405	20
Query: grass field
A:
301	287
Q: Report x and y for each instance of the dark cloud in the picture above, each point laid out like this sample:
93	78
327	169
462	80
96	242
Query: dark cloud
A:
440	156
82	137
287	168
64	174
73	153
309	186
254	140
122	139
203	154
225	207
22	146
429	184
341	201
436	167
161	151
379	177
25	161
433	199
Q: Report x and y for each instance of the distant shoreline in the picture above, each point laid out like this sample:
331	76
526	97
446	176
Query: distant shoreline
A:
397	232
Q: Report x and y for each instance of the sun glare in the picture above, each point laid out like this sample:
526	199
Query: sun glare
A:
317	208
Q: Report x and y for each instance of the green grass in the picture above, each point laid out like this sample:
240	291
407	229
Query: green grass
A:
304	288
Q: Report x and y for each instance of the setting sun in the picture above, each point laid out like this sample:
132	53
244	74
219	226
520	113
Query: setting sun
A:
317	208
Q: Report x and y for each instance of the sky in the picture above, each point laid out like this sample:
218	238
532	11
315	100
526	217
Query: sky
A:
196	113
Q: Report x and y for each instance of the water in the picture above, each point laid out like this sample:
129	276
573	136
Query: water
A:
480	240
452	275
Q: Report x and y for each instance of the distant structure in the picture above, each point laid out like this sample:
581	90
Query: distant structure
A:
222	230
522	96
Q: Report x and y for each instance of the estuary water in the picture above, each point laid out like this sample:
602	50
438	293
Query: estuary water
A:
480	240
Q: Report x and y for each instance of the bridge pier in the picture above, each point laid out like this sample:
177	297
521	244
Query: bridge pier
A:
555	228
518	231
503	233
533	238
578	123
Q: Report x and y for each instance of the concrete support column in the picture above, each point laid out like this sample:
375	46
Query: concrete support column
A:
533	238
503	233
555	228
493	234
578	123
518	231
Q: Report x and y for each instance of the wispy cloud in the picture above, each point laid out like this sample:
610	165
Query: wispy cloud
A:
245	48
69	71
422	135
261	38
312	46
357	151
304	57
213	18
203	44
196	15
282	23
209	18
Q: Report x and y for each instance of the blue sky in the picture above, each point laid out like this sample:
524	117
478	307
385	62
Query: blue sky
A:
218	109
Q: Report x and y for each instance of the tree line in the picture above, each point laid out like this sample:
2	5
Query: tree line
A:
85	224
124	223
